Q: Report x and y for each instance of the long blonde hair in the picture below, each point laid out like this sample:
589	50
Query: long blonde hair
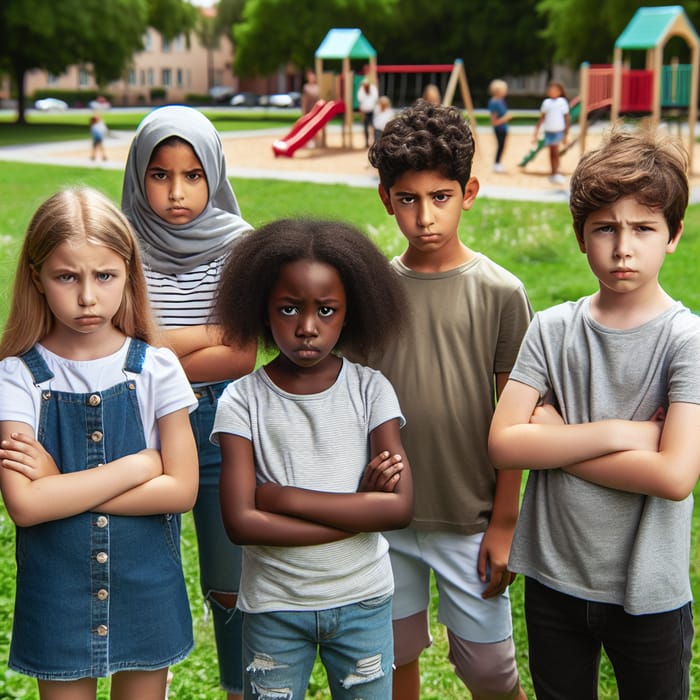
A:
74	214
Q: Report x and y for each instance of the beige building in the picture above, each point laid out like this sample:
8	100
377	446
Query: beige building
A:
178	67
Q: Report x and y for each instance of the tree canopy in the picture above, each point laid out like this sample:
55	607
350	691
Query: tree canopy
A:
103	35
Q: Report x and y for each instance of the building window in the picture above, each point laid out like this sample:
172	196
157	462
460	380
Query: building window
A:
166	45
180	79
83	78
52	79
132	77
147	41
166	77
150	77
179	42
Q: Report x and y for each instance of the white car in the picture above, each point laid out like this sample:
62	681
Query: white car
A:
99	103
51	104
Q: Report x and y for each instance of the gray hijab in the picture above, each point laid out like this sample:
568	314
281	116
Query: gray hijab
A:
171	248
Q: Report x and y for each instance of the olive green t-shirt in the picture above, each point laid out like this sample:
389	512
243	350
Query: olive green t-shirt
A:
466	325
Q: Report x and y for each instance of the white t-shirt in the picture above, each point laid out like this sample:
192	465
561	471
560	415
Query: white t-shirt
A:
555	111
162	386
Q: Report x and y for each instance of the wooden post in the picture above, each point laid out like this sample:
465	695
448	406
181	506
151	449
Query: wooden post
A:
459	76
584	91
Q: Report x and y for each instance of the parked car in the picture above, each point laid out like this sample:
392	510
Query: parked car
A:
245	99
220	93
281	99
51	104
99	103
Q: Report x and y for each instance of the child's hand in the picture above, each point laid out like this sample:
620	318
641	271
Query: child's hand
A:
25	455
382	473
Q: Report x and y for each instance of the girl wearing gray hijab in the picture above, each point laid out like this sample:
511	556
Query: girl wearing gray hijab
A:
180	203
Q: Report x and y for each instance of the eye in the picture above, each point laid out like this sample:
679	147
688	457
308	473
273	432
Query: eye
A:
441	197
325	311
407	199
104	276
289	310
194	176
158	175
66	277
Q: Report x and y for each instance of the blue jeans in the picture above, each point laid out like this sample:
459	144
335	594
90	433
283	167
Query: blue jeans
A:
354	643
650	654
219	558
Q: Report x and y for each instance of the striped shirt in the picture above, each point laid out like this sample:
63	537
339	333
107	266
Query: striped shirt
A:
184	299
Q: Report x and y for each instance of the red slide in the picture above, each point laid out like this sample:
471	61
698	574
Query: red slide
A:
307	126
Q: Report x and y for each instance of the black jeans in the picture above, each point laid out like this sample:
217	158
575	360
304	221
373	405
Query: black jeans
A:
650	654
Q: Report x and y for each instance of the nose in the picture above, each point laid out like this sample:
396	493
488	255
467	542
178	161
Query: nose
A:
623	244
425	214
176	190
87	295
306	325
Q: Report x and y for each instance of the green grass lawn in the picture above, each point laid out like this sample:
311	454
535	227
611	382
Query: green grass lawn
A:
533	240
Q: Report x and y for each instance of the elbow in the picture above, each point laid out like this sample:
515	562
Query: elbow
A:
500	455
679	490
23	517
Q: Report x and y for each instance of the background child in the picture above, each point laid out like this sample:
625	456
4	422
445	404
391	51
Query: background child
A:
97	454
296	437
383	114
468	316
180	202
607	558
367	97
554	115
98	130
498	109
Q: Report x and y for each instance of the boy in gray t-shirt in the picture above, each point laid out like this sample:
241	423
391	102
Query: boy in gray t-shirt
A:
603	405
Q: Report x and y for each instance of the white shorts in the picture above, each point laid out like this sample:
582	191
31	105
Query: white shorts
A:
453	558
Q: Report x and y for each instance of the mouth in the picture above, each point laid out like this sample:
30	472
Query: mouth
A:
623	273
88	320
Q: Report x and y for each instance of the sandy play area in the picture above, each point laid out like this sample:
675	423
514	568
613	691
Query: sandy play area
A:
249	154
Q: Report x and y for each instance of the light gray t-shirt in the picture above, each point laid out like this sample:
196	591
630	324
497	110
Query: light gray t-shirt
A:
313	441
586	540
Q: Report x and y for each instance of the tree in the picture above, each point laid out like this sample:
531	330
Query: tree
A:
581	31
101	34
273	33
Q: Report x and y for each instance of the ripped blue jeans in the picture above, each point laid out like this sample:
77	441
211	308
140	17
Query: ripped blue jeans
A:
355	644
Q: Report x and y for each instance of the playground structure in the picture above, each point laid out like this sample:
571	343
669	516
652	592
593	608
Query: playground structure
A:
650	90
672	87
338	92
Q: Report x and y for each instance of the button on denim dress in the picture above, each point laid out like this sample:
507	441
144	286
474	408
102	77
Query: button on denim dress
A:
97	593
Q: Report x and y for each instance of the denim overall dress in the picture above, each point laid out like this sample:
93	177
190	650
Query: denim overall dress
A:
97	593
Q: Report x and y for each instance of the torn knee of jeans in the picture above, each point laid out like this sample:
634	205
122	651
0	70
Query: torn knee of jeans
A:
365	671
258	667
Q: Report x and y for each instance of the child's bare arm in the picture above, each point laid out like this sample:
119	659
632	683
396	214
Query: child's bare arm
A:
517	443
245	523
205	356
366	511
175	489
35	491
669	472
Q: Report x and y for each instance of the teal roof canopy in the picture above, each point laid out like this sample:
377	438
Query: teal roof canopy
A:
650	27
345	43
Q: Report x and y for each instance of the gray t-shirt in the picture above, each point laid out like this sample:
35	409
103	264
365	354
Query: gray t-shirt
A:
313	441
586	540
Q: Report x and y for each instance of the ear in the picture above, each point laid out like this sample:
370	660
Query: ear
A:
471	189
386	199
673	243
36	278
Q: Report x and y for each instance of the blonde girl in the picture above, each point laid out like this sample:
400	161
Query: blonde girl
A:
96	460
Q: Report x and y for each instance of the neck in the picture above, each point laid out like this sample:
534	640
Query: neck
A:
624	311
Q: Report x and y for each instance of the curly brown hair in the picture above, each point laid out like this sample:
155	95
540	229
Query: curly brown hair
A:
376	305
646	164
424	136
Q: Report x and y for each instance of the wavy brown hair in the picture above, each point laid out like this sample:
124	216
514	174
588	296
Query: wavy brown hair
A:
646	164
